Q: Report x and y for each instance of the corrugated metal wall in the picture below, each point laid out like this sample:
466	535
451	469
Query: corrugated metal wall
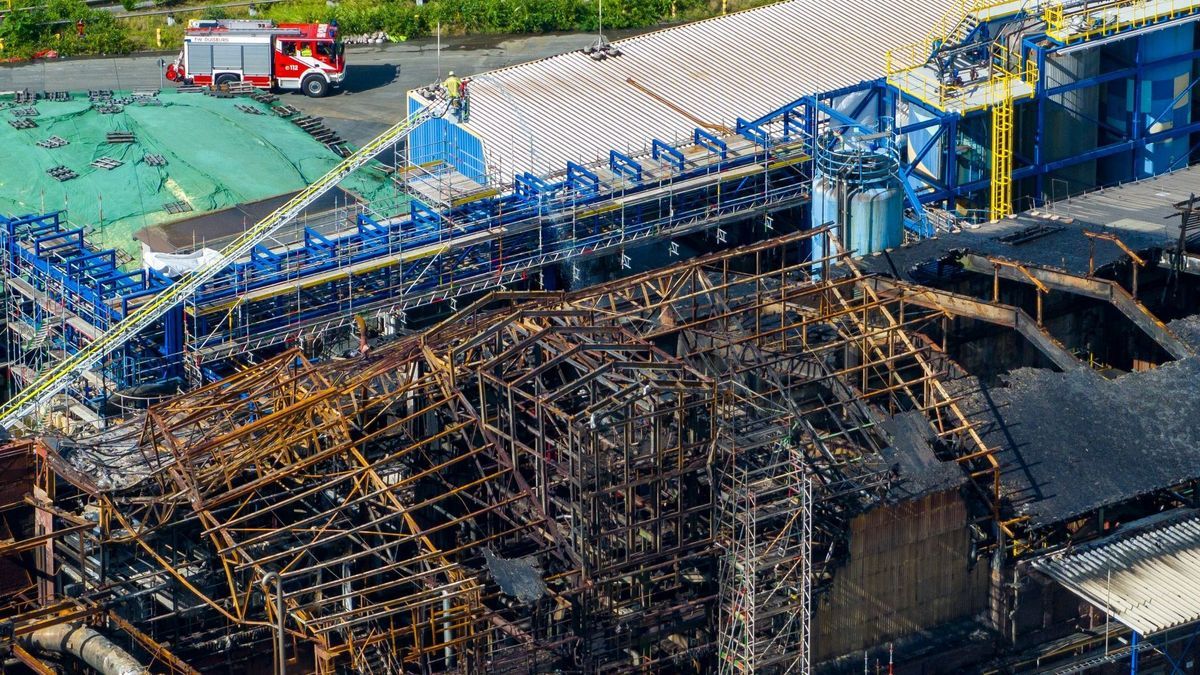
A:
441	139
908	571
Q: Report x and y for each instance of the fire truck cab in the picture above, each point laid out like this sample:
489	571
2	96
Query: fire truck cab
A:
304	56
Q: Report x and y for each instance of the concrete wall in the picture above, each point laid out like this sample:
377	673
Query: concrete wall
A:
908	571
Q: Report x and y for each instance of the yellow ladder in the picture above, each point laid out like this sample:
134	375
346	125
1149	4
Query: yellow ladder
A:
1053	16
1002	150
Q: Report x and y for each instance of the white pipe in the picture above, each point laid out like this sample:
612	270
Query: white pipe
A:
280	644
88	646
447	632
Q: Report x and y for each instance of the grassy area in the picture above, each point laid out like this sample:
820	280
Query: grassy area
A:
39	25
32	27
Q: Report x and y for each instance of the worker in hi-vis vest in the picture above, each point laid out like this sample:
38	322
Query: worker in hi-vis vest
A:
453	87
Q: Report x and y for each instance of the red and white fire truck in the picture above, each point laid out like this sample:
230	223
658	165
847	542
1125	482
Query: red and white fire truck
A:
304	56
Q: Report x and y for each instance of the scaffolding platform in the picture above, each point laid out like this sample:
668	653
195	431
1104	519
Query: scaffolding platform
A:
74	406
442	185
70	318
923	84
1085	21
365	267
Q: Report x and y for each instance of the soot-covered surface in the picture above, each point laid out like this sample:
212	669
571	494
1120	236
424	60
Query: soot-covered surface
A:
1057	244
1072	442
913	458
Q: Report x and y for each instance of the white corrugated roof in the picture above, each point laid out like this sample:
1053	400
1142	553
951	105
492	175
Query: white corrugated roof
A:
744	64
1155	576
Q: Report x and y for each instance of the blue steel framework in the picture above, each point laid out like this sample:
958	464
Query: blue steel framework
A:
1173	650
438	252
1176	646
429	255
62	292
942	133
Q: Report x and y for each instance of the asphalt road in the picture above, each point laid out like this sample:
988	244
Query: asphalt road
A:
377	77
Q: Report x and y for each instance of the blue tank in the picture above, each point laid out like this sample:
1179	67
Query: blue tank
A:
1160	86
856	189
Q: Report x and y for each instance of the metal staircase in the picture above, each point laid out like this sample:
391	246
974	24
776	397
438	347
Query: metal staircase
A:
60	376
963	30
955	29
946	73
39	337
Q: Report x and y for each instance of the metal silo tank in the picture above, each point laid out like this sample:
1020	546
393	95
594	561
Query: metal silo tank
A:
876	218
856	188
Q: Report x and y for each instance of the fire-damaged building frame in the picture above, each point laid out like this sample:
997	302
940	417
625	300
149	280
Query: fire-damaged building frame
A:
759	460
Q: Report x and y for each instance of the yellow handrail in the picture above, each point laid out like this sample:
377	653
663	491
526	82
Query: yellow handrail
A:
917	54
1053	16
1110	18
1007	67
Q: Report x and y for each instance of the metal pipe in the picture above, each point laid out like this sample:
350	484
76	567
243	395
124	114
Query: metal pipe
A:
280	653
87	645
447	631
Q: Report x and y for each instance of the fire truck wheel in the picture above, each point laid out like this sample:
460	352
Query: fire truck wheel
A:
225	78
314	86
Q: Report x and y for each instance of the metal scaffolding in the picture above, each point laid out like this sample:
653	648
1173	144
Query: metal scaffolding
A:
650	475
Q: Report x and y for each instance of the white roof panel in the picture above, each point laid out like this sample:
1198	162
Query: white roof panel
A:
741	65
1149	581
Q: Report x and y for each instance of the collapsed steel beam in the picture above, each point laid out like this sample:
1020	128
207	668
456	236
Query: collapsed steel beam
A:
972	308
584	440
1090	287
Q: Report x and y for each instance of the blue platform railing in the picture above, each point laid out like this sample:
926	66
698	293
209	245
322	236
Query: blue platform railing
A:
429	253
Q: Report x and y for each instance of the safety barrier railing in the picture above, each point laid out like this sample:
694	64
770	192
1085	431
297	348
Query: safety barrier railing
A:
925	86
436	255
1083	23
907	57
1053	16
428	283
1008	68
389	236
1005	68
915	55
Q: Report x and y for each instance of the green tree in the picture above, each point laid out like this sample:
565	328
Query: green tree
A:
23	27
